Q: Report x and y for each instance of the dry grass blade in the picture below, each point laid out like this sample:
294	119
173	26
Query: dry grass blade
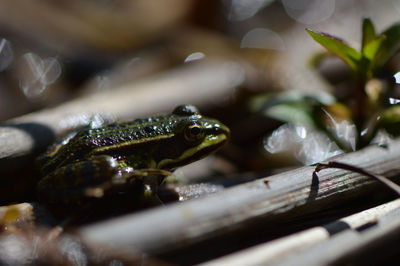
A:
273	252
374	245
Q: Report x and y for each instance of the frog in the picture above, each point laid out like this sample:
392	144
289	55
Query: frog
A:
126	157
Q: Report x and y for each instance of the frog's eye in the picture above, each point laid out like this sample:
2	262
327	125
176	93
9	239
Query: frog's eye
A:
194	132
186	110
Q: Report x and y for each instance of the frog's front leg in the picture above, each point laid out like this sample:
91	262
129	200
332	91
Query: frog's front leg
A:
94	177
151	179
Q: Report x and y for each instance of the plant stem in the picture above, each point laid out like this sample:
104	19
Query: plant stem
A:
359	108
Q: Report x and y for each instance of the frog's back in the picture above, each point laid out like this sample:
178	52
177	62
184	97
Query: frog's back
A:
59	154
133	132
109	139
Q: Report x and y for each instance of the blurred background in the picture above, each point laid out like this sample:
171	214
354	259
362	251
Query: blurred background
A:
250	64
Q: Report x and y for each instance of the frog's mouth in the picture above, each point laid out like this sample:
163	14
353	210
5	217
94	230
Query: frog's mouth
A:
209	145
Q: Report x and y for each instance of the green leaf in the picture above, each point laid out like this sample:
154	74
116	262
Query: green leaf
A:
288	106
371	49
299	113
391	114
388	47
390	120
351	56
368	33
262	102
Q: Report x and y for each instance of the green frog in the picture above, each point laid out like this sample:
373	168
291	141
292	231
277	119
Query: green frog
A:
117	157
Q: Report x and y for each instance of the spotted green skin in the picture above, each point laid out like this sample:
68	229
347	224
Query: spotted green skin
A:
118	156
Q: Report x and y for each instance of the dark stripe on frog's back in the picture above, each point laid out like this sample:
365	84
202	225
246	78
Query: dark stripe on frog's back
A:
89	172
68	183
128	134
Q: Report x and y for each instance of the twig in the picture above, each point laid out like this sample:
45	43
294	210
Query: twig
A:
393	186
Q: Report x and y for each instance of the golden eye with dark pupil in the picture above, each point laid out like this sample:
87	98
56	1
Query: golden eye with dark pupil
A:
193	132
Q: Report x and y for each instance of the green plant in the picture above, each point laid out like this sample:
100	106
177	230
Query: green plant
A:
376	49
366	110
366	64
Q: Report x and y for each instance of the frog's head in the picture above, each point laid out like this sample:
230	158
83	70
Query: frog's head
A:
195	137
